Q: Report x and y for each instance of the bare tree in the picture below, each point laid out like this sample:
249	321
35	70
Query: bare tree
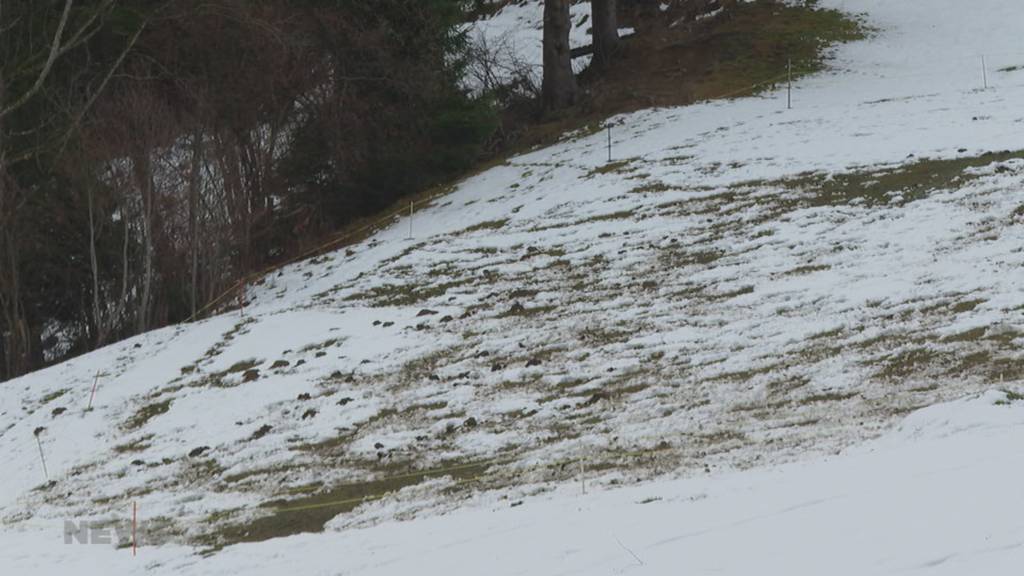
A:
559	89
29	46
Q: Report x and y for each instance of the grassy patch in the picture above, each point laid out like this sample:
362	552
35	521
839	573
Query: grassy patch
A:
653	188
902	184
309	512
146	413
909	362
404	294
619	215
242	366
827	397
53	396
615	167
489	225
137	445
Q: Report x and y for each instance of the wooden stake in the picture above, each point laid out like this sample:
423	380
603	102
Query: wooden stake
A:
410	220
984	72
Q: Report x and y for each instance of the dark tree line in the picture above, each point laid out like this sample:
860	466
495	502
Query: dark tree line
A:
154	152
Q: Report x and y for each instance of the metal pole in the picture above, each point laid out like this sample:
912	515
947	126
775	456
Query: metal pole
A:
984	72
41	457
95	384
789	89
583	479
609	143
135	515
410	220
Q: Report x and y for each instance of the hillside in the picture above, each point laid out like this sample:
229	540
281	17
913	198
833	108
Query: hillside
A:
753	327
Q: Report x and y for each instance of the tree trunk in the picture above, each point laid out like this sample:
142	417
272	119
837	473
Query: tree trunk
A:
194	185
144	181
100	325
604	31
559	88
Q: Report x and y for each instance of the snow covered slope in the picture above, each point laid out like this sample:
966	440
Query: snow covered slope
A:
742	287
939	495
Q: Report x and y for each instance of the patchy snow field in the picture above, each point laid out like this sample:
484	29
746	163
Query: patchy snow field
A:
742	293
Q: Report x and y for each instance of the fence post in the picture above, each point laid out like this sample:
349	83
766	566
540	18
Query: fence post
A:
984	71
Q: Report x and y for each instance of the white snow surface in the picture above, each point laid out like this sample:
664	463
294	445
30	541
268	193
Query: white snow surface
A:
699	300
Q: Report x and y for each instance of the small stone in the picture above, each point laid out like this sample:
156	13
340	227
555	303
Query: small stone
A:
39	430
516	308
376	322
470	422
309	413
138	463
497	367
198	451
446	319
321	354
344	401
304	396
280	364
533	362
250	375
426	312
378	446
58	411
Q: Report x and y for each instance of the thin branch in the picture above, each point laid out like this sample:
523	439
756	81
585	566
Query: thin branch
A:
55	50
